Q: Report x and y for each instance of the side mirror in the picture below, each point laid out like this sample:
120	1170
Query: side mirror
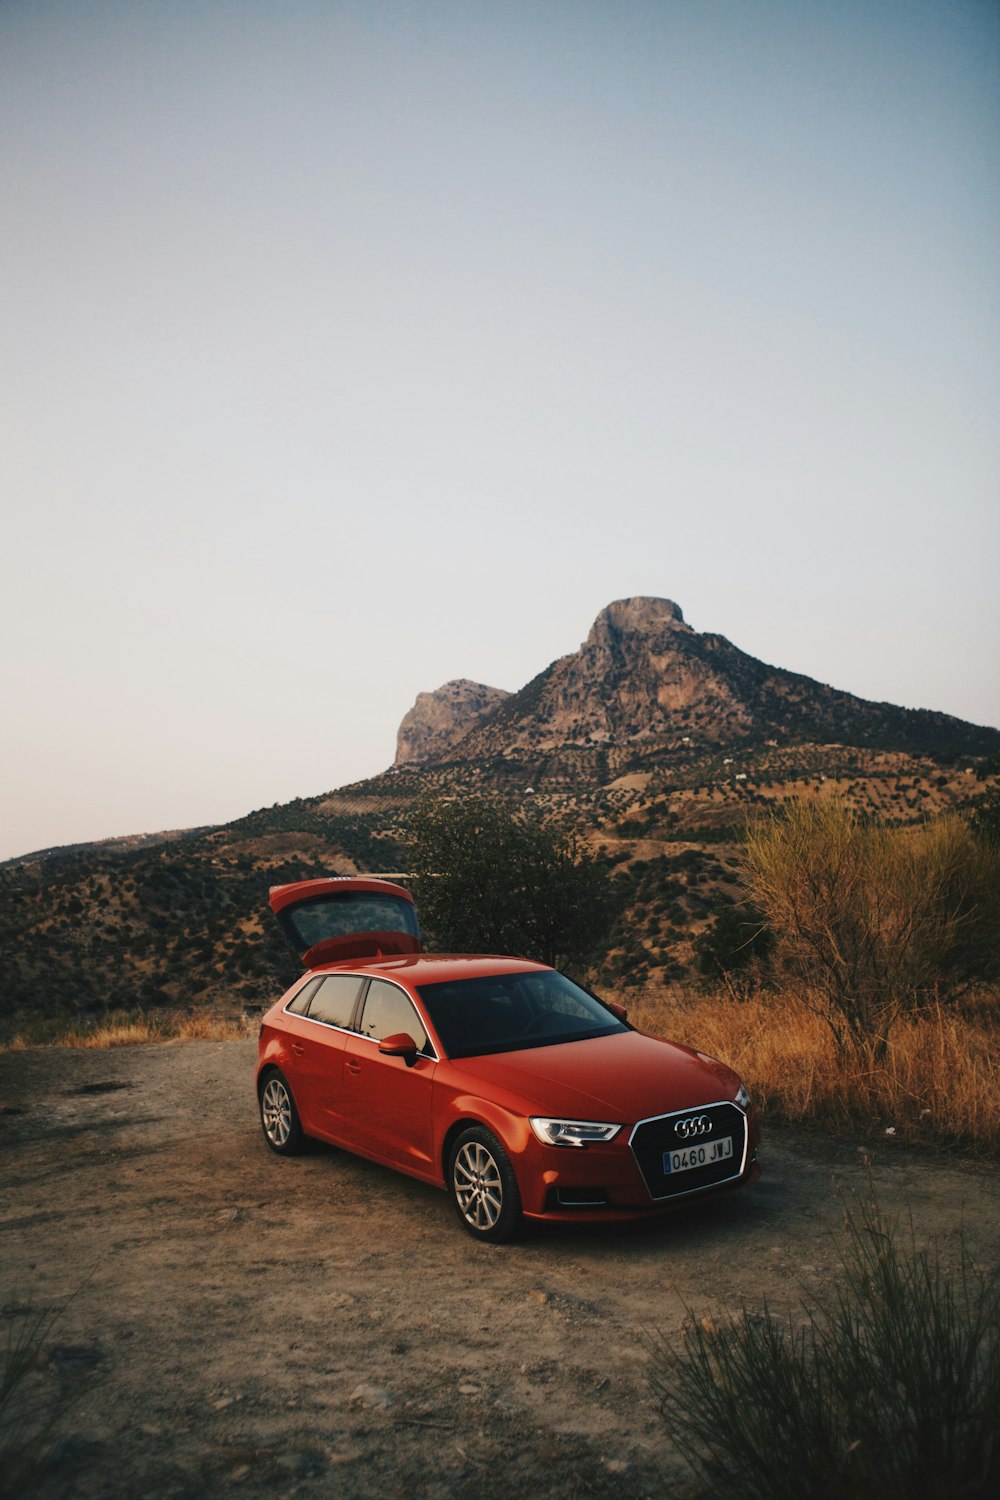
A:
399	1045
617	1010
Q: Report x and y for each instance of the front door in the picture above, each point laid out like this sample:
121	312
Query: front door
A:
387	1105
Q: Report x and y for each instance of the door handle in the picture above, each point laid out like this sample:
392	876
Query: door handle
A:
301	1051
354	1069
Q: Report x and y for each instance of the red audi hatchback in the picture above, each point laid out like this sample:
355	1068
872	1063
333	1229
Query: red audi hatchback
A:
498	1079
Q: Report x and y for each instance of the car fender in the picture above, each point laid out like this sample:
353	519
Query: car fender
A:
276	1054
511	1130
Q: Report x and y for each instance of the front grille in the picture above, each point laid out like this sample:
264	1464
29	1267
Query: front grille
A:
651	1139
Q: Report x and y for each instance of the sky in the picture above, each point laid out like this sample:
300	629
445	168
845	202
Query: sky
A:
348	348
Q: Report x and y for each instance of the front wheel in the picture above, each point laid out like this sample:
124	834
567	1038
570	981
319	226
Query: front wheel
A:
483	1186
278	1116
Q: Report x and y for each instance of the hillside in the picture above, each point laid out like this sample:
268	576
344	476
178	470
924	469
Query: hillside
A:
654	740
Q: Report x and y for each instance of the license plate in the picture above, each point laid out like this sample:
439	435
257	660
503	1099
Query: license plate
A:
686	1157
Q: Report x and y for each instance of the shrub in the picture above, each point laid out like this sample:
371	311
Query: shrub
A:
984	815
890	1388
33	1399
736	934
869	920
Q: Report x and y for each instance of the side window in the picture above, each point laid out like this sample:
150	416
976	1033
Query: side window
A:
300	1005
388	1011
334	1001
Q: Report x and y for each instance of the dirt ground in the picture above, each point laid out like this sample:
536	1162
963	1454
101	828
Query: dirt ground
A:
319	1326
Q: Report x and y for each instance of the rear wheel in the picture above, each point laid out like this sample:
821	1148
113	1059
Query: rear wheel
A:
278	1116
483	1186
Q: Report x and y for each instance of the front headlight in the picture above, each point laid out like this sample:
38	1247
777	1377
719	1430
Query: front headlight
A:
571	1132
742	1099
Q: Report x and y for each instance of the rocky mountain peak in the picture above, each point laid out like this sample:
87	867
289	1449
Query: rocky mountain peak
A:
440	719
641	615
643	682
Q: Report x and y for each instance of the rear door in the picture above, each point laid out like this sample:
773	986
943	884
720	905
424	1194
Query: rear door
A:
318	1049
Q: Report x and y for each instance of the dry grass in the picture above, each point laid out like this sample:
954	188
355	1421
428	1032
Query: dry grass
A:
940	1078
126	1030
868	919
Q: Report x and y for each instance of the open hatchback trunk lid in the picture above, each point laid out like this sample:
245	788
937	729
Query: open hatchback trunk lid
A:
344	917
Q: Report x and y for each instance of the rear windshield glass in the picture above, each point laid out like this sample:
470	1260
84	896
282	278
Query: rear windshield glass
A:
509	1012
340	916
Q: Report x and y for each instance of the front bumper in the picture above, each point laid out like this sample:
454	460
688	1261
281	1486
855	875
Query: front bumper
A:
621	1180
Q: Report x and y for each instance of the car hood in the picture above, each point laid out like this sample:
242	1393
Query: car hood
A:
626	1077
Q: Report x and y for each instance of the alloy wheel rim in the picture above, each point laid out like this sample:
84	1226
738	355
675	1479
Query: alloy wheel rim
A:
478	1186
276	1109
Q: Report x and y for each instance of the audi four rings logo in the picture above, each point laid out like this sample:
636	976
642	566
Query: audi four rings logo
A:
692	1126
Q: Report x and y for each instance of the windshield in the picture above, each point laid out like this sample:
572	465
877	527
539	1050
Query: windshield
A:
508	1012
312	922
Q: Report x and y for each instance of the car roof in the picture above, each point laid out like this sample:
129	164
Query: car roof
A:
435	968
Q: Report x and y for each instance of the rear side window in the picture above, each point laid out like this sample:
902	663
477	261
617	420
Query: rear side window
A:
300	1005
333	1001
388	1012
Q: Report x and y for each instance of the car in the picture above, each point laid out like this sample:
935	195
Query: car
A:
498	1079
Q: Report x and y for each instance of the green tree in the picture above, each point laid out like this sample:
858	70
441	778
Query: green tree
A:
984	816
737	934
492	879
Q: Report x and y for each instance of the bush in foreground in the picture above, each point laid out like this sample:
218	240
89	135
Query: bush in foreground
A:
34	1397
889	1388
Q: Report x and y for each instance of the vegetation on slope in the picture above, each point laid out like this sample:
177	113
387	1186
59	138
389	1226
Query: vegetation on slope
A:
185	926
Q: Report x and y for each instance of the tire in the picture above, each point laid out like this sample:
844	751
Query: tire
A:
279	1118
483	1186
